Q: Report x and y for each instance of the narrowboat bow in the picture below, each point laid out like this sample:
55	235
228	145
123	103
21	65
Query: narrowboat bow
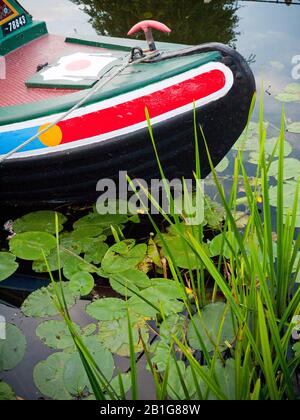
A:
108	83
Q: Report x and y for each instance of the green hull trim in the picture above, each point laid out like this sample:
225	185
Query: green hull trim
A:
140	76
120	44
33	31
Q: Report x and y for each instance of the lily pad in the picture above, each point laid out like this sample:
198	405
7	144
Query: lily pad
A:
289	190
82	283
48	377
207	327
296	349
107	309
123	256
95	250
55	334
32	245
133	279
294	127
74	375
291	93
219	245
115	337
249	140
6	392
95	223
161	354
8	265
12	349
173	325
39	221
223	165
67	244
175	388
163	295
74	265
41	304
214	213
291	169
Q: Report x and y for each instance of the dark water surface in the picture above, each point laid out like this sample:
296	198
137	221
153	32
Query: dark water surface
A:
265	33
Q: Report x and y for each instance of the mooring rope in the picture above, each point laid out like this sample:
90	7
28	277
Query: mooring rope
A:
98	86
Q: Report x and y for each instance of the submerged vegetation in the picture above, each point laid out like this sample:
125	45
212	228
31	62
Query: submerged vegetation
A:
213	308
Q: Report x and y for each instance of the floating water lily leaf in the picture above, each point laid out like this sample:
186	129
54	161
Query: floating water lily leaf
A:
74	375
95	223
48	377
8	265
39	221
214	213
161	354
289	190
291	93
291	169
173	325
219	245
270	145
294	127
114	334
95	250
82	283
12	349
74	265
55	334
40	303
226	379
107	309
223	165
175	388
89	329
249	140
67	244
179	251
126	384
31	245
241	219
123	256
162	295
6	392
175	244
153	253
296	349
133	279
208	327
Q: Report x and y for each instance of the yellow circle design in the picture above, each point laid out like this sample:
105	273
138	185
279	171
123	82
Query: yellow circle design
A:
51	137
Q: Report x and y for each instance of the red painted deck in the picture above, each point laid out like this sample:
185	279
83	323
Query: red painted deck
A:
22	64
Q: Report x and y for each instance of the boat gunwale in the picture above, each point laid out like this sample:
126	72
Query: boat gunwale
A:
26	112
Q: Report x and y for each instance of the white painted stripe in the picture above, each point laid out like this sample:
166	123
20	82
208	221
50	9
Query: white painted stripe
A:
104	137
148	90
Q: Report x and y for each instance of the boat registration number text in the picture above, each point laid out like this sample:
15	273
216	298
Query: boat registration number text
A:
14	24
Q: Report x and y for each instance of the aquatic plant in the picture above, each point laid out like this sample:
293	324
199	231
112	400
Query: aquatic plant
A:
212	307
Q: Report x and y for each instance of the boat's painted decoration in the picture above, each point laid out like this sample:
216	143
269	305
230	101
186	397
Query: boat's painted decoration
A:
79	70
7	12
17	27
122	114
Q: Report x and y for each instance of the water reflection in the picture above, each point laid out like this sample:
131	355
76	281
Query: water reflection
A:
192	21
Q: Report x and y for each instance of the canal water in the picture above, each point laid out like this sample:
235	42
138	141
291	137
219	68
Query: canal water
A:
267	34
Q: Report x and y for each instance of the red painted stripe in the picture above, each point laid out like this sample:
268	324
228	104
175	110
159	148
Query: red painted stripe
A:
133	112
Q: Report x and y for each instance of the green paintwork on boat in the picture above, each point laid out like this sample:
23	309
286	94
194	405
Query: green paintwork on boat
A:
120	44
24	29
135	77
16	40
